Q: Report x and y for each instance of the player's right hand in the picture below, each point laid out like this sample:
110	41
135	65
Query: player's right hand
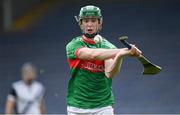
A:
134	51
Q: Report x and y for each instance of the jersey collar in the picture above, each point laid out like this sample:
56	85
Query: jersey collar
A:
87	40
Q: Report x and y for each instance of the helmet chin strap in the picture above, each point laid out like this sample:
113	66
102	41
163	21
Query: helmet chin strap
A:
90	35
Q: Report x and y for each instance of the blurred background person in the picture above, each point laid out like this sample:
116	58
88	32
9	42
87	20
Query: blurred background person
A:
27	95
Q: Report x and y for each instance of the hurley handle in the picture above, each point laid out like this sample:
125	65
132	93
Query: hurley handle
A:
123	40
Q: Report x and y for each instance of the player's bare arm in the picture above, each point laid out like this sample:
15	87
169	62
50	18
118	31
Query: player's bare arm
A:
112	66
10	104
42	107
96	54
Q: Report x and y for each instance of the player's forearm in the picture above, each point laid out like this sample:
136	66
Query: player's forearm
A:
8	111
42	107
97	54
113	67
9	107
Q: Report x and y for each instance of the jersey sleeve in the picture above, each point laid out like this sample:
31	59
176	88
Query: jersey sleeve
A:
12	94
72	49
106	44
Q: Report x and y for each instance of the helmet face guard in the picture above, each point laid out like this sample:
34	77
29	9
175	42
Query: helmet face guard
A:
89	12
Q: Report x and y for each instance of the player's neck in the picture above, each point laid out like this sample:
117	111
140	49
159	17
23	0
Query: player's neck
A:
28	83
90	36
87	40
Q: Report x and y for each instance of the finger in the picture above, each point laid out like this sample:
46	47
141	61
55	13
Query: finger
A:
133	51
132	45
138	52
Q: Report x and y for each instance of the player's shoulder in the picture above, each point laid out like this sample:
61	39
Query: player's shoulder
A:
75	41
17	83
107	44
38	84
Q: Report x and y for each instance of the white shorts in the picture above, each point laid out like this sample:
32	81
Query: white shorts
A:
97	111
